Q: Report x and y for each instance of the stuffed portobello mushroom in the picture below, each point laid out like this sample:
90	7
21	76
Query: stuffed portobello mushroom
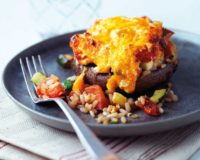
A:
117	61
123	65
133	54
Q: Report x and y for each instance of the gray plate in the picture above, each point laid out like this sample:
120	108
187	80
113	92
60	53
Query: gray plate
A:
186	84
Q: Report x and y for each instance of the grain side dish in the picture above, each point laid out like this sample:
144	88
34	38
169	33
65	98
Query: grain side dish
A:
122	64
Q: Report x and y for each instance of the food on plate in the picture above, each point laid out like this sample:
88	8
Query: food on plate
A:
37	78
67	84
122	51
157	95
122	65
48	87
65	60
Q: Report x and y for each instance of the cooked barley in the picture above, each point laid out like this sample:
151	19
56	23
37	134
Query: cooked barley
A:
86	97
174	97
92	113
72	104
105	113
72	78
135	116
131	102
95	111
88	106
123	111
82	99
109	108
105	122
104	109
123	119
99	119
142	100
84	110
121	114
161	110
163	65
129	114
73	101
127	107
171	97
113	115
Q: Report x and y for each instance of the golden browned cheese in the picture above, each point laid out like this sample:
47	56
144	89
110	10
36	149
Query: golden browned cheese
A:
125	47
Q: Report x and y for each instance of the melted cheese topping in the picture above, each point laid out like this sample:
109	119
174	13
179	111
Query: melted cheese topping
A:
122	46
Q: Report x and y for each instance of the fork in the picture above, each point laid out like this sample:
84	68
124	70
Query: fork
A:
92	144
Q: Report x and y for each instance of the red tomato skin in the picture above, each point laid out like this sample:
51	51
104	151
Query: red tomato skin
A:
151	108
100	96
50	90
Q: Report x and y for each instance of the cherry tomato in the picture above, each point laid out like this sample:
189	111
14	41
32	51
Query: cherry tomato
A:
50	87
151	108
148	106
100	96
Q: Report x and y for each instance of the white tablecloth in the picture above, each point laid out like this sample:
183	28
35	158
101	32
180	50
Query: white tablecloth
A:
24	138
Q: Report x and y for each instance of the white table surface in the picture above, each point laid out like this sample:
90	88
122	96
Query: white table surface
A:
17	30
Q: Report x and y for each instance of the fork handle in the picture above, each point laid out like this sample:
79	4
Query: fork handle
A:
92	144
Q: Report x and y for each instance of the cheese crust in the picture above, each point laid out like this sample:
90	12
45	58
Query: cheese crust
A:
124	47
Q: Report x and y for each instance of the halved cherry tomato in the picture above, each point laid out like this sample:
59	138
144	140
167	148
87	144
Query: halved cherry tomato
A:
50	87
100	96
151	108
148	106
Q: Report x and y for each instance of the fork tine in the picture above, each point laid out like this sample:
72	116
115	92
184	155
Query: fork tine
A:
30	70
34	64
29	85
29	67
41	65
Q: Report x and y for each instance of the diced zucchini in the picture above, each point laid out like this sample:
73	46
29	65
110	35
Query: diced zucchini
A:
65	60
37	78
119	99
157	95
114	121
67	84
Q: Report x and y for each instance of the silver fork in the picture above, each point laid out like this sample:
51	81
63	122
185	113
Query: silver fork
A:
92	144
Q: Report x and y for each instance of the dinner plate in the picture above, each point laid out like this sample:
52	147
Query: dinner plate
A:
186	84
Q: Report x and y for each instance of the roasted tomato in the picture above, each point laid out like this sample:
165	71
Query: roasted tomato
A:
50	87
148	106
100	96
151	108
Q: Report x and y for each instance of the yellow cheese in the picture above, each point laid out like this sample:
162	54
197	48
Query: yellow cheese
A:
113	45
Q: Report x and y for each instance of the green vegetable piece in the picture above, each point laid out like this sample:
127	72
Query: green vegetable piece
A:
114	121
37	78
157	95
67	84
65	60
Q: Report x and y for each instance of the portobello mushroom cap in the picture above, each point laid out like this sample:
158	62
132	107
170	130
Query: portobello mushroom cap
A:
151	80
